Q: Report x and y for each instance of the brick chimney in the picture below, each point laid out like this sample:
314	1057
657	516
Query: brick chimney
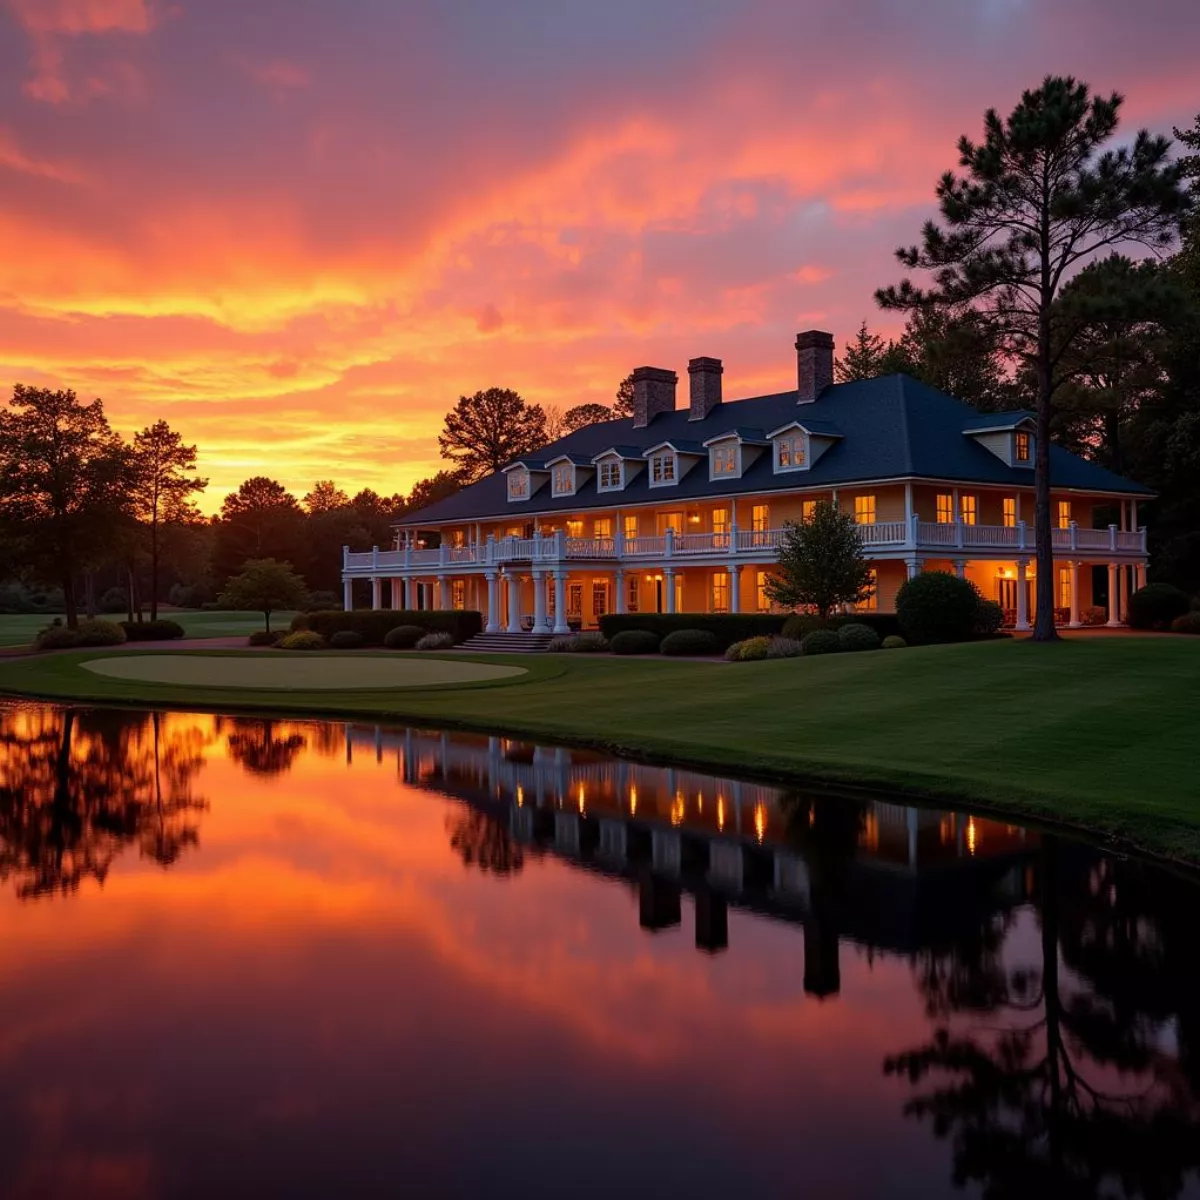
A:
704	379
653	393
814	363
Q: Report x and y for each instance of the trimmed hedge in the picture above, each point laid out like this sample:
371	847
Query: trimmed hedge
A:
263	637
375	623
302	639
589	643
634	641
685	643
347	639
989	617
936	606
858	637
161	630
896	642
403	637
821	641
1156	605
884	623
749	650
727	628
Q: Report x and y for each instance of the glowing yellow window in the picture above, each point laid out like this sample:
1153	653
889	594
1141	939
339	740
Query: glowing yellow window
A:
631	527
864	510
575	528
672	521
760	518
602	527
969	506
720	520
720	591
459	599
1064	514
1064	587
945	509
871	603
1021	452
807	509
761	599
1010	511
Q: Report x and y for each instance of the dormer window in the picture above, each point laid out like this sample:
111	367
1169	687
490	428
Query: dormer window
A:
724	459
563	479
662	468
612	476
791	452
1022	446
518	484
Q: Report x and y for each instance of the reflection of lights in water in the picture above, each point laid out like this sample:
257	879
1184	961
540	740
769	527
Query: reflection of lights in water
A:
678	808
812	815
581	797
971	837
760	820
520	796
632	799
700	802
720	811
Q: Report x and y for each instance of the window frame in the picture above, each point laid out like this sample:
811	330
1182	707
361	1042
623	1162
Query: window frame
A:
1022	439
968	508
796	442
563	470
518	484
1008	509
719	584
728	452
610	463
944	508
760	524
659	475
1063	509
868	503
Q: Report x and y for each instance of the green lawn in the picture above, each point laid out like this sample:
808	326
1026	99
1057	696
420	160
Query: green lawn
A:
19	629
1097	733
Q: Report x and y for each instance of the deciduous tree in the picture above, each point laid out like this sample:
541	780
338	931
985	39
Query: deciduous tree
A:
324	497
484	432
260	520
265	585
583	415
623	404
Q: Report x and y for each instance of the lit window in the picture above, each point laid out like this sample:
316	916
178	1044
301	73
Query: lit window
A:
720	520
871	603
672	521
760	518
864	510
1021	448
632	594
459	594
790	452
458	539
724	460
599	597
969	507
1064	514
1064	587
760	592
720	591
574	599
602	527
1010	511
662	469
808	509
574	528
610	475
945	509
515	531
630	527
564	479
518	485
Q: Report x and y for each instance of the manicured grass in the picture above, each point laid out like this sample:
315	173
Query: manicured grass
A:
19	629
1090	732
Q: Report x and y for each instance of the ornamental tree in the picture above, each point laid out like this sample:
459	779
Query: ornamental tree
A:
1038	199
821	563
265	585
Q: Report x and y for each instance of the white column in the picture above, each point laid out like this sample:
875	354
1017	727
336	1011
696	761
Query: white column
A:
540	624
514	603
619	578
394	590
735	579
1139	575
493	603
669	587
560	603
1124	572
443	593
347	595
1113	617
960	565
1074	622
376	592
1022	595
913	567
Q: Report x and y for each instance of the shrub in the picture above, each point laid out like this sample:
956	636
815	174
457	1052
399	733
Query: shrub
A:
858	637
100	633
161	630
687	643
820	641
375	624
726	627
634	641
1188	623
322	601
749	650
989	616
113	601
347	639
563	644
895	642
784	647
266	637
885	624
798	624
590	643
57	637
436	641
1156	605
1095	615
302	639
403	637
936	606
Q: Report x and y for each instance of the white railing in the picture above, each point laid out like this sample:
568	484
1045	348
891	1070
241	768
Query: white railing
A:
883	533
645	547
930	533
591	548
759	539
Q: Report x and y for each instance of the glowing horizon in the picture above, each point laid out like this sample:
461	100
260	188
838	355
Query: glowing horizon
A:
300	237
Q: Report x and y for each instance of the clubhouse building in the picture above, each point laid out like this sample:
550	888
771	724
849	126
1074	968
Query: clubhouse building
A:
682	509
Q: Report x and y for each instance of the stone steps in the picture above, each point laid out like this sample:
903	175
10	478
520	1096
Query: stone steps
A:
507	643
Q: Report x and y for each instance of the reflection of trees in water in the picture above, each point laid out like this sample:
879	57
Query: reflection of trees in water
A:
77	787
1065	1083
263	747
484	841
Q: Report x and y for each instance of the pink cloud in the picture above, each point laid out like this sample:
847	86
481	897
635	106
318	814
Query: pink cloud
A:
84	16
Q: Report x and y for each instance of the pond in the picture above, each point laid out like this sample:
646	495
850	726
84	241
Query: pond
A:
249	957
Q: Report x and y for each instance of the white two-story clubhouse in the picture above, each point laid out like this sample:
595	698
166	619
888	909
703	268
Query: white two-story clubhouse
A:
682	509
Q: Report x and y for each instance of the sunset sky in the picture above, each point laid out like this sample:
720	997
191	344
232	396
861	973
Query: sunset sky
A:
299	229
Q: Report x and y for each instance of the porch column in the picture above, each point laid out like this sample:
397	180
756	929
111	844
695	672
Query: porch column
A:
443	600
493	603
619	578
376	592
960	568
347	595
560	603
1022	595
669	587
735	579
1113	617
1074	622
913	567
1139	575
394	594
540	624
514	603
1124	570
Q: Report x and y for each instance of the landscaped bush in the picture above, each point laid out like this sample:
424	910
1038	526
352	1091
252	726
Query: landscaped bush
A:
858	637
113	601
820	641
403	637
161	630
56	637
726	627
375	624
563	644
589	643
936	606
347	639
749	650
989	616
436	641
784	647
690	643
100	633
895	642
322	601
799	624
1156	605
634	641
1188	623
266	637
1095	615
302	639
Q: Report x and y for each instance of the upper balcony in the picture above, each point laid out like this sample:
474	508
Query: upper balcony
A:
948	540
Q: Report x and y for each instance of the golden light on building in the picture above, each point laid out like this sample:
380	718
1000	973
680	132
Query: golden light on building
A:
632	799
720	811
520	796
971	836
678	809
760	820
581	797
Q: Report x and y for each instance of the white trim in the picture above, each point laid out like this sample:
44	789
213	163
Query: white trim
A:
664	455
604	461
805	452
803	429
736	472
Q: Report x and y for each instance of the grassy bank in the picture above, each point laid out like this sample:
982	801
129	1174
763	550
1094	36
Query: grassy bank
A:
1094	733
19	629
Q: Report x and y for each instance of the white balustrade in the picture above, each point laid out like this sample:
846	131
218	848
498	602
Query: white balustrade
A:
881	533
645	547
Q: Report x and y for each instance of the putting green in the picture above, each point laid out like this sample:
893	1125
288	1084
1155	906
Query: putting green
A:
322	670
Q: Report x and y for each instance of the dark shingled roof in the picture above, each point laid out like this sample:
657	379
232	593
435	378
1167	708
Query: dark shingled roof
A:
892	427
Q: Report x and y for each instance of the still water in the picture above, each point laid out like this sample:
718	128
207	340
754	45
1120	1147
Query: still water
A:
257	958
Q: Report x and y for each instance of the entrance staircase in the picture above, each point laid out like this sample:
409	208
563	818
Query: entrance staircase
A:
507	643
